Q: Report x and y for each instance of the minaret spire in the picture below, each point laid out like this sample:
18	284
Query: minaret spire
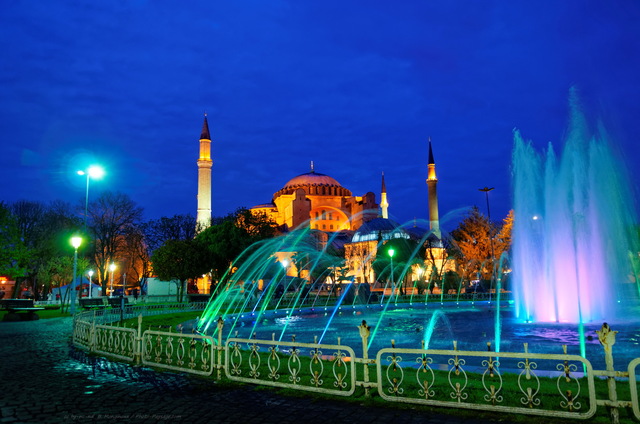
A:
432	188
384	204
204	134
431	161
204	177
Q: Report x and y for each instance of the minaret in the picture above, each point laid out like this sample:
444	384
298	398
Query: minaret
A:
204	178
432	183
384	205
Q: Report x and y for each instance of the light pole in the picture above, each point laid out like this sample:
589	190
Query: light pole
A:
391	252
75	242
92	172
486	192
112	268
90	283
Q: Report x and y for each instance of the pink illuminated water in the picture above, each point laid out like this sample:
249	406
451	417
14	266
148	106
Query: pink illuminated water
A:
573	230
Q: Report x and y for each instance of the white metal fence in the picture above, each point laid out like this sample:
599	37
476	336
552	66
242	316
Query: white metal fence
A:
551	385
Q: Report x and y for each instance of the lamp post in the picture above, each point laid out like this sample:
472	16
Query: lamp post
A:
90	283
75	242
92	172
391	252
112	268
486	192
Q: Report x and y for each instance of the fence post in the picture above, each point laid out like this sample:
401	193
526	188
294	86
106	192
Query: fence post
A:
607	339
137	355
364	334
220	327
92	335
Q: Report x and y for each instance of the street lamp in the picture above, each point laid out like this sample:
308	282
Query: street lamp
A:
92	172
112	268
391	252
75	242
90	283
285	264
486	192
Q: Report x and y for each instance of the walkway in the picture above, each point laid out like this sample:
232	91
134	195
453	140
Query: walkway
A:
42	383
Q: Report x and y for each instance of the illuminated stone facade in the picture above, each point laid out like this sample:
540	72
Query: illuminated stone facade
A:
320	202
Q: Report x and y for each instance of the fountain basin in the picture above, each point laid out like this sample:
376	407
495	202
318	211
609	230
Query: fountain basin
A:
437	325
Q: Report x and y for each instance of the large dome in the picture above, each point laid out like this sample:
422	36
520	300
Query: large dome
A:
312	179
314	183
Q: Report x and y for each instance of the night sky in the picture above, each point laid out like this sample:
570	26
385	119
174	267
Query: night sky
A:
356	87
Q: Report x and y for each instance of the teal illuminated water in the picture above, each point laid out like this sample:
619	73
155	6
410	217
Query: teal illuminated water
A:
409	327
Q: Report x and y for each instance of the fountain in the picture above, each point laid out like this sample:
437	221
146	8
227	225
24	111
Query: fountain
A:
570	264
573	230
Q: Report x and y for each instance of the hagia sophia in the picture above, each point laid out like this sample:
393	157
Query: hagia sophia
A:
322	203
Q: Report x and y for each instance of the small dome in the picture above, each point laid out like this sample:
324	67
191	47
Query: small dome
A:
311	179
378	225
379	229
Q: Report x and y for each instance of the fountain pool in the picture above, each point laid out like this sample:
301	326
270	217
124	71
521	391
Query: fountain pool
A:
574	261
471	326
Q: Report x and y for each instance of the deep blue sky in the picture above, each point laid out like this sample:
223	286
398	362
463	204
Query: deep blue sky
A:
357	87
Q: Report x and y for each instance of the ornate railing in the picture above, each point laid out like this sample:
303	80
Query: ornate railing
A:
552	385
121	343
477	380
315	367
192	353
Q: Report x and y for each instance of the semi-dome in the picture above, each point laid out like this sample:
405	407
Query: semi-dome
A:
314	183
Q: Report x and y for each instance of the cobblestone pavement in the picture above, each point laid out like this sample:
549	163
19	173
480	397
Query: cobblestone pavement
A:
43	381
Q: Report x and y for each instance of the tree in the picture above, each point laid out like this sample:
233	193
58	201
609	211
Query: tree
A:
112	218
403	258
473	249
232	235
28	216
14	254
58	271
436	254
503	239
46	231
134	257
181	260
178	227
156	232
479	243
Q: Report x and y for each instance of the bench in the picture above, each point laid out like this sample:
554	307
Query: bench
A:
92	303
116	302
15	306
196	297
